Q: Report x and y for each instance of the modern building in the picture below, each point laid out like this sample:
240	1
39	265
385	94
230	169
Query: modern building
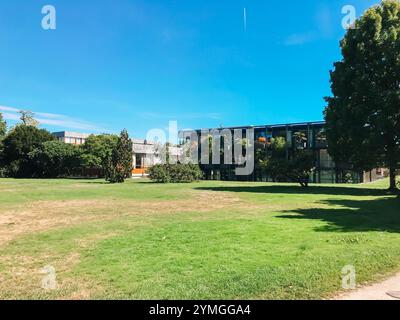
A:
148	153
71	137
308	135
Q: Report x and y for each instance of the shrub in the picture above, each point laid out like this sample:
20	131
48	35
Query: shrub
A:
175	173
158	173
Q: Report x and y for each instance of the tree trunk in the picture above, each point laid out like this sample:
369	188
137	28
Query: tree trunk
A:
304	182
392	177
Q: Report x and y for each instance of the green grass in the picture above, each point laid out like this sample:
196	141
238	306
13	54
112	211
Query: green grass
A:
207	240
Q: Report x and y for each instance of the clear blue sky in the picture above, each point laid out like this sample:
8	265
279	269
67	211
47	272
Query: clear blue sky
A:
114	64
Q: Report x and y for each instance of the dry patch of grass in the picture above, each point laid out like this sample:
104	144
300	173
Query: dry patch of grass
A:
22	274
42	216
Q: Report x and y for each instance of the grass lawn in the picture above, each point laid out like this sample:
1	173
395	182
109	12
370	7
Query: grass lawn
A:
206	240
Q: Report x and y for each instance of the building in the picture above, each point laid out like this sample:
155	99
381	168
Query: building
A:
148	153
308	135
71	137
144	156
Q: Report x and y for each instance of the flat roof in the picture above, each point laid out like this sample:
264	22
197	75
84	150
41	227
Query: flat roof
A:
70	134
295	124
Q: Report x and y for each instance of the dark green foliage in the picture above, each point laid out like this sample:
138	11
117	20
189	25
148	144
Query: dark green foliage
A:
282	164
363	114
3	127
124	150
55	159
300	166
119	166
97	151
175	173
18	144
3	130
159	173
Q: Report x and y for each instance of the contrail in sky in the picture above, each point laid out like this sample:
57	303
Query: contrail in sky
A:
244	19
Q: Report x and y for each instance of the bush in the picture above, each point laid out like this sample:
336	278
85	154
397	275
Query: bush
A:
175	173
158	173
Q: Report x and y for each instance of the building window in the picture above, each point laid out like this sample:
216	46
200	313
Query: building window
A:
139	163
326	160
320	139
300	137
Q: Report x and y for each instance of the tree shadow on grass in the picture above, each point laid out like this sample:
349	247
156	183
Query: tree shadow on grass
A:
96	182
382	214
347	215
292	189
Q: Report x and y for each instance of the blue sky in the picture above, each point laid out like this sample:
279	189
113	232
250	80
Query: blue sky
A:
116	64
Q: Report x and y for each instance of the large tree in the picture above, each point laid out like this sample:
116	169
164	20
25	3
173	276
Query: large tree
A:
120	165
363	113
17	145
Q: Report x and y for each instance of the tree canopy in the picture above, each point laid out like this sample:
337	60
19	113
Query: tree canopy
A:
17	145
53	159
363	113
97	151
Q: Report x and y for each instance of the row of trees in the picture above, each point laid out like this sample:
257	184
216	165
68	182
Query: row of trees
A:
27	151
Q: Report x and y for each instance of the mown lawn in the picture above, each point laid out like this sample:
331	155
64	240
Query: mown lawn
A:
207	240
